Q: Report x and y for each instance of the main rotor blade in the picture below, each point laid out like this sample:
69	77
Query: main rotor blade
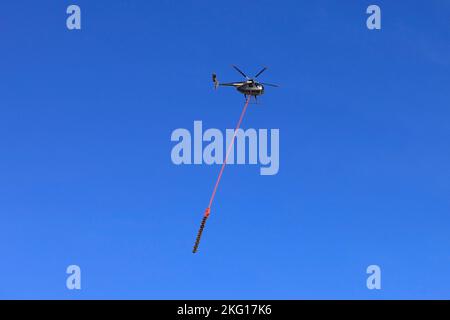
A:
269	84
237	69
257	75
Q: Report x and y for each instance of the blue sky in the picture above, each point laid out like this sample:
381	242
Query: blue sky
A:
86	176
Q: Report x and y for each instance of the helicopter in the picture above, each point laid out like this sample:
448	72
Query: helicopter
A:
250	87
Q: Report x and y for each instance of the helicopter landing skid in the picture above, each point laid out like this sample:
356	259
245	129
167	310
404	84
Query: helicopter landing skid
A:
255	101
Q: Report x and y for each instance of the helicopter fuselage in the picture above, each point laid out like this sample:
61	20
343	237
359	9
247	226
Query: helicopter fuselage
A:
251	89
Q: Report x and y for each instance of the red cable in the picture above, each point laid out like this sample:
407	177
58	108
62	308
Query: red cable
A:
208	209
228	153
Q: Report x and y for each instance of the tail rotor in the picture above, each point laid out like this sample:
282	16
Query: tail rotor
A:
215	81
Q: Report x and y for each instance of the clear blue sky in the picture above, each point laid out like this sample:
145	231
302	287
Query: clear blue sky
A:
86	176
